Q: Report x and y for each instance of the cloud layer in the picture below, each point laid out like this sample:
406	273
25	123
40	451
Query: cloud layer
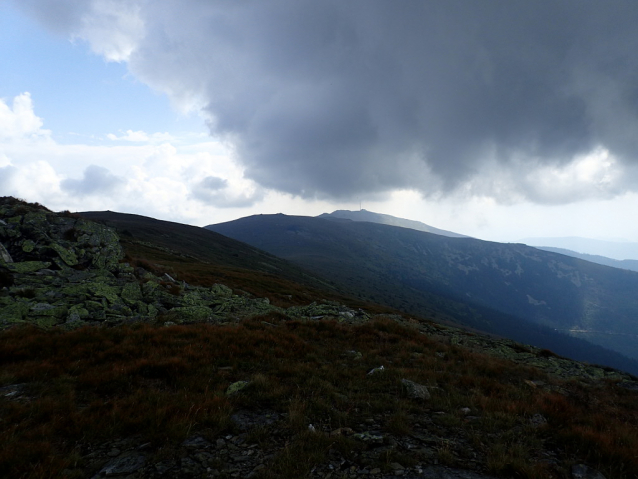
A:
180	178
512	100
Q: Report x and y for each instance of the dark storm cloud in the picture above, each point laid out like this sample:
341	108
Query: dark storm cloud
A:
96	181
338	98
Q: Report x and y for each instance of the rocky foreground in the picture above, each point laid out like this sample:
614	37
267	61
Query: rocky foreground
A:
62	272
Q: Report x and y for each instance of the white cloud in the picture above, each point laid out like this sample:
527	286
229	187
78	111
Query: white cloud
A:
157	174
141	137
19	121
113	28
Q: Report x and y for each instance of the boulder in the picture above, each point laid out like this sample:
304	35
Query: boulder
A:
415	390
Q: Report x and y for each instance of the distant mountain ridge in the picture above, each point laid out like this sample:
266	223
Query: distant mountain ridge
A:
618	250
371	217
426	273
630	264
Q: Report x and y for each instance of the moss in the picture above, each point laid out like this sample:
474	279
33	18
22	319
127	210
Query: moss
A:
101	290
15	312
77	312
132	292
221	290
235	387
46	322
192	298
68	256
26	267
189	314
28	246
50	310
152	311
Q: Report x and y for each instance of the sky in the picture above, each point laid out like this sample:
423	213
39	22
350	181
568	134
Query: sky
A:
499	119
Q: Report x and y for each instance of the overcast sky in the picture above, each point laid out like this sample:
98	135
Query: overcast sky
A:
500	119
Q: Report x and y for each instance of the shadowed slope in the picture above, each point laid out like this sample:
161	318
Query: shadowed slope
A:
424	273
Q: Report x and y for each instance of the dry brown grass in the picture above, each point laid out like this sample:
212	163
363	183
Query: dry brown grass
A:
94	385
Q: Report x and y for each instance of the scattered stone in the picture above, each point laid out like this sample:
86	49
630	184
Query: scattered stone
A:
581	471
375	370
247	420
125	464
235	387
354	355
415	390
114	452
197	442
342	431
538	420
369	438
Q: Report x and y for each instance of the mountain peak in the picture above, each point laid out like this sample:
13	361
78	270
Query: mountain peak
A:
372	217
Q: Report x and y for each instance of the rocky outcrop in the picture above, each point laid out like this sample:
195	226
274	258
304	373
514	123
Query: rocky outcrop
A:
63	270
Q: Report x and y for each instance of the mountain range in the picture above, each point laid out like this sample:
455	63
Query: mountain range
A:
618	250
507	289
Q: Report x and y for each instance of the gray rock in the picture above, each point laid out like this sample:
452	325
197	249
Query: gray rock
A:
581	471
125	464
4	254
538	420
415	390
440	472
369	438
197	442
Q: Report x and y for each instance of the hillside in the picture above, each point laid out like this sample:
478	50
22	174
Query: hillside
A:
371	217
118	367
423	273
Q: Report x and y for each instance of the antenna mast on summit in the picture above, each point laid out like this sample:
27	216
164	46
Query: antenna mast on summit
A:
359	205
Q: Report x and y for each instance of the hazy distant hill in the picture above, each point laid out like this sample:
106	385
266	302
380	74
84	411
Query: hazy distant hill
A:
630	264
619	250
417	271
371	217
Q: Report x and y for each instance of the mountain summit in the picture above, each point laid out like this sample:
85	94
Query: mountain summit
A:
371	217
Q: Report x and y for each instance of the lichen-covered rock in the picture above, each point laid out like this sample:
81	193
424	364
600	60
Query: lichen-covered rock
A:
221	290
67	255
236	387
60	269
25	267
14	312
190	314
4	254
